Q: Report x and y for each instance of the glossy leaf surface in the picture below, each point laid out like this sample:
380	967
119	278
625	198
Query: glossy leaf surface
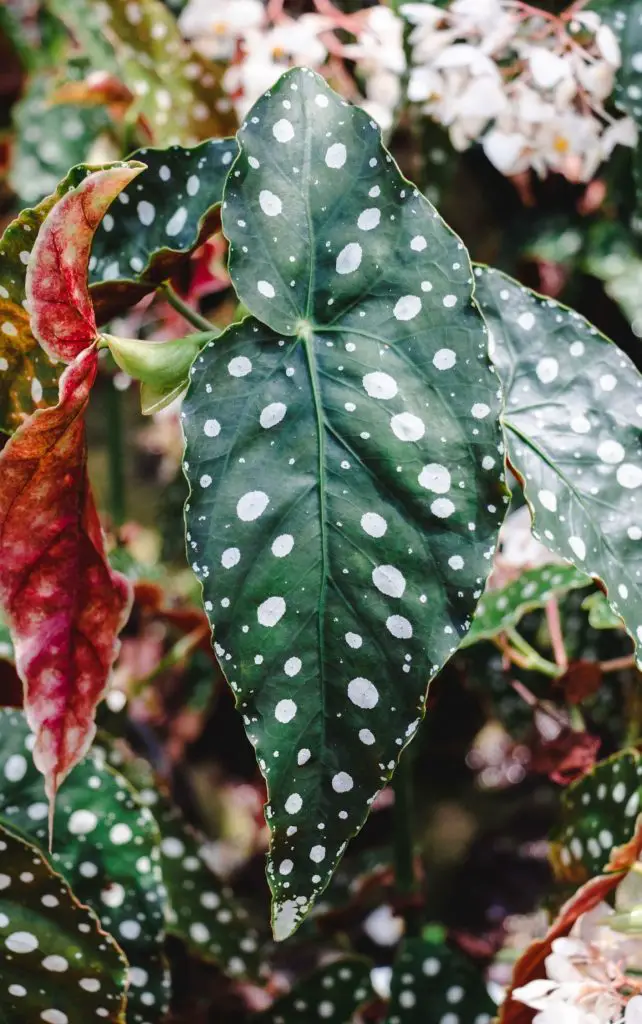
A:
107	847
157	221
333	993
433	982
598	813
502	609
573	426
56	964
60	308
63	603
344	468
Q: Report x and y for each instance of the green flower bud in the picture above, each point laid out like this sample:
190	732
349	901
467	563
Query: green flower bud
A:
161	367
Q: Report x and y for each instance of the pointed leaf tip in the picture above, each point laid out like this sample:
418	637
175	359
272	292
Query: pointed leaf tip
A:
60	307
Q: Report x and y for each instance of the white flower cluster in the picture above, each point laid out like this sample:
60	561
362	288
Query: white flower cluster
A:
531	87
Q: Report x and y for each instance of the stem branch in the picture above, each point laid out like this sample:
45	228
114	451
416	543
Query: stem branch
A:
189	314
403	820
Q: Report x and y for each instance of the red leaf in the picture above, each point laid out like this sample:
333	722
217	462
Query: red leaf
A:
62	601
61	310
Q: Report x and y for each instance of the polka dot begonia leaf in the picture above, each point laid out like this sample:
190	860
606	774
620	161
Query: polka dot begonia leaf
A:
56	964
573	428
107	847
157	222
433	982
177	93
600	614
333	993
599	813
502	609
345	468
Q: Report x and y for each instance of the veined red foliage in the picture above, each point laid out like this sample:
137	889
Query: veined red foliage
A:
61	310
63	602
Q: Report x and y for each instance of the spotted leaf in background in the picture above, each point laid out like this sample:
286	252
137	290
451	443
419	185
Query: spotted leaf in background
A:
502	609
60	308
573	427
333	993
64	605
599	612
178	95
106	846
56	964
599	812
344	467
158	220
434	982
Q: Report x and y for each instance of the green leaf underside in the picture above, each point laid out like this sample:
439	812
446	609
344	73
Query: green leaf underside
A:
599	812
107	848
432	982
159	219
573	426
55	963
502	609
344	468
332	993
599	612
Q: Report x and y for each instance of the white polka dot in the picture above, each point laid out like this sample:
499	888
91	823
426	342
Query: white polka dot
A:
317	854
407	307
342	782
444	359
610	452
53	1016
369	219
336	156
9	329
607	382
450	301
176	223
380	385
435	478
205	481
252	505
89	984
321	100
120	834
17	990
54	963
146	212
456	562
283	545
548	500
81	822
292	666
113	895
270	203
349	259
373	524
366	737
629	476
399	627
418	243
230	558
272	414
21	942
634	532
353	640
285	710
407	999
389	580
442	508
526	321
212	428
283	130
580	424
303	756
363	693
240	366
172	847
547	369
193	184
480	410
15	768
285	867
294	803
271	611
577	348
407	427
488	462
266	289
578	547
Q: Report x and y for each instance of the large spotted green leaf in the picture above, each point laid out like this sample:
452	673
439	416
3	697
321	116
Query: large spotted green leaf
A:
157	222
599	813
573	428
502	609
344	464
56	963
434	982
333	993
107	847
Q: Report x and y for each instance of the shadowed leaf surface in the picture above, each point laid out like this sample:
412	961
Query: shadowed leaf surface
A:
573	426
333	993
344	468
56	964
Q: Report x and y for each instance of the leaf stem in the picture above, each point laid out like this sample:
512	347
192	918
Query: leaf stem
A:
554	623
189	314
403	845
528	657
116	453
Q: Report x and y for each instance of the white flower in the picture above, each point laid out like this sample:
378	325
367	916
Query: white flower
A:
380	60
215	26
547	68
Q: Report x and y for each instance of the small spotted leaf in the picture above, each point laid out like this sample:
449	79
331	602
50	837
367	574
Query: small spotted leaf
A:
63	603
158	220
502	609
573	428
599	812
56	964
434	982
333	993
60	307
344	468
107	847
178	93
